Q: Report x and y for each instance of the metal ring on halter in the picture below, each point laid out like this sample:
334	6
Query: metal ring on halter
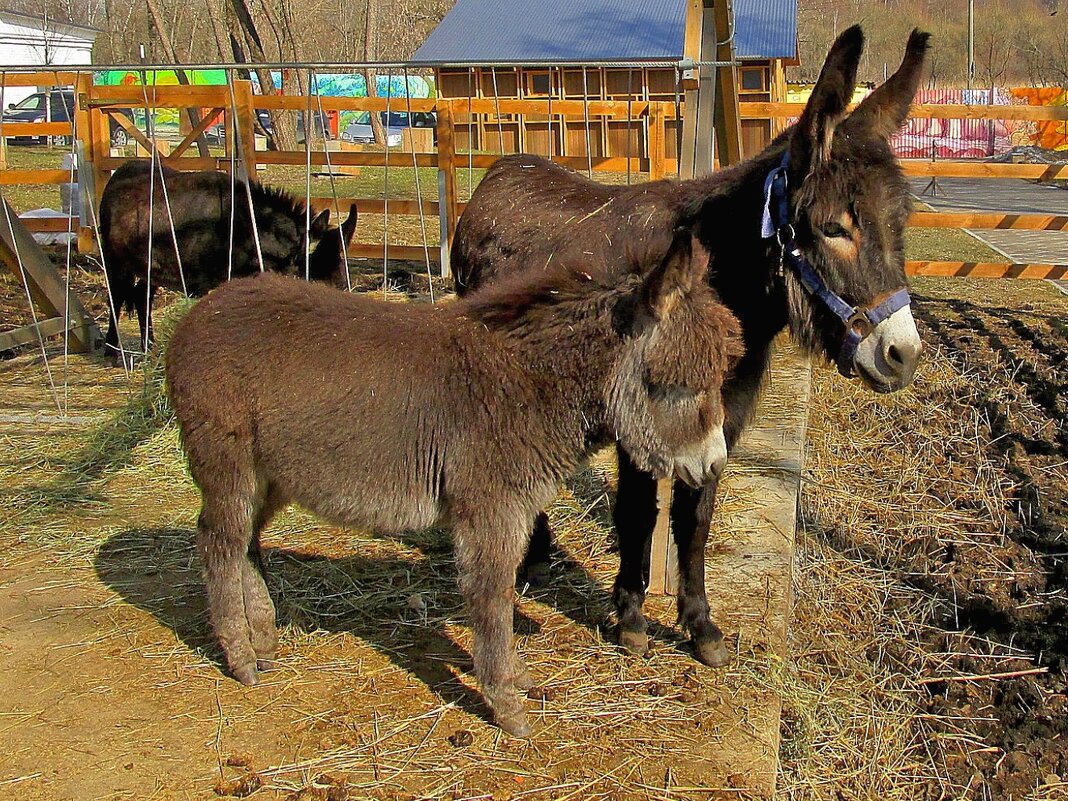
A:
782	237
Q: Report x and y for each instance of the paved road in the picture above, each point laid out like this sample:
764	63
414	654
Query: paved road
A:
1011	195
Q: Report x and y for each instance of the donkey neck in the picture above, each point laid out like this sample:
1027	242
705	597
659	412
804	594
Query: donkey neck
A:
563	354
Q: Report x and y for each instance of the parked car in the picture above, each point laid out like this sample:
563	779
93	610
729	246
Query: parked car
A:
359	130
35	108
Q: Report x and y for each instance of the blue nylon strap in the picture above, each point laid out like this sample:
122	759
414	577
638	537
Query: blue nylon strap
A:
775	222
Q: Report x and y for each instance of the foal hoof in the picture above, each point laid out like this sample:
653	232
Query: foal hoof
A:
515	724
635	642
247	675
713	653
536	575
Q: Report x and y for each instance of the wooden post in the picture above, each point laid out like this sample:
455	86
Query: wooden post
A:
83	135
446	181
246	122
664	556
657	140
728	116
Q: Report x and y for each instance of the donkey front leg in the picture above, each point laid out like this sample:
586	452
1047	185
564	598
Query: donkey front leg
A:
691	516
487	556
635	517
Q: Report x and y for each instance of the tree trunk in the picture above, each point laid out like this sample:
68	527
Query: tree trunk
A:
192	114
284	123
370	39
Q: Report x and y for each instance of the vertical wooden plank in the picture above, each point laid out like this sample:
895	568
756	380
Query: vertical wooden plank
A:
83	135
663	558
246	123
728	116
446	181
657	140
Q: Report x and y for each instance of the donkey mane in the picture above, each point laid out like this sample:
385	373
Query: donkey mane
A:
274	198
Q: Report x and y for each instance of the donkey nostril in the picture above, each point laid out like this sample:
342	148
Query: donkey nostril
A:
893	355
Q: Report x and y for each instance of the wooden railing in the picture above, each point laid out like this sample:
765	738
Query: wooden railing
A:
96	106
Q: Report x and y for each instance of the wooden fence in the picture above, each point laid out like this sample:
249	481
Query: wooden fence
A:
236	105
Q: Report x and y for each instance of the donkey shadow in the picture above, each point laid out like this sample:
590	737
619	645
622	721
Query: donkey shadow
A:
157	570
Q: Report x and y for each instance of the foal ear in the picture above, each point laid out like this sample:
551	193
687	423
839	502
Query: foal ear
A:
320	224
885	110
811	142
685	265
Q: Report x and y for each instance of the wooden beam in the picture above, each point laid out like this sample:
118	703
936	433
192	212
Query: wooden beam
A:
13	129
205	123
979	269
128	125
246	124
361	250
343	158
663	556
989	221
936	111
37	177
983	169
30	334
21	254
657	143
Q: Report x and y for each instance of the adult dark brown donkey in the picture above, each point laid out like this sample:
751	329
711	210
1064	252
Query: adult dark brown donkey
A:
807	235
400	417
203	250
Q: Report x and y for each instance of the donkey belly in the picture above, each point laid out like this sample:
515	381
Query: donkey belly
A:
352	473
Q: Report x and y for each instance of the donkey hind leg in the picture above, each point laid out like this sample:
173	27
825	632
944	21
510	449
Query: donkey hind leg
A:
691	515
535	568
120	291
487	555
259	609
634	516
144	294
225	533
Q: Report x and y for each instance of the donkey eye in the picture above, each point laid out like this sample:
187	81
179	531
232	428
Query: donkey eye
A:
833	230
670	392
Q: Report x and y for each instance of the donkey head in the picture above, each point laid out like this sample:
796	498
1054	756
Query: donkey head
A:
664	394
848	206
329	260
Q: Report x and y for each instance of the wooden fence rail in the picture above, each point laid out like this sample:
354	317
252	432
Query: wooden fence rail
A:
236	106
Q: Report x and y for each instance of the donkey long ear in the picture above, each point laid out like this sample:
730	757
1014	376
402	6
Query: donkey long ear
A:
348	228
685	264
320	224
811	141
885	110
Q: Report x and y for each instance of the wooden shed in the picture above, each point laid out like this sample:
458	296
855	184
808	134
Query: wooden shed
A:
536	49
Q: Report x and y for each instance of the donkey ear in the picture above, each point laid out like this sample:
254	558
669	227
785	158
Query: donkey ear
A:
885	110
320	224
348	228
811	142
685	264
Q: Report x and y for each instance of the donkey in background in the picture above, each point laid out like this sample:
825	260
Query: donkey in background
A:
208	250
808	235
395	417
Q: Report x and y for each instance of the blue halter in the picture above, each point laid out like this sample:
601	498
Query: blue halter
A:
859	321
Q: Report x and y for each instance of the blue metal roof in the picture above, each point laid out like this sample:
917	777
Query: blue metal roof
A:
481	31
765	28
478	31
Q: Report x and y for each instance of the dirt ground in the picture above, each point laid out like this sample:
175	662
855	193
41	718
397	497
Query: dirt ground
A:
931	562
112	687
942	513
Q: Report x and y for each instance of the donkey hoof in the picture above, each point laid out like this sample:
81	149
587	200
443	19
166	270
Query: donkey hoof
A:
635	642
515	723
713	653
265	664
247	675
536	575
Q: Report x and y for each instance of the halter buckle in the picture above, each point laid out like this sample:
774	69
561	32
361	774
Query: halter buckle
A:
859	323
